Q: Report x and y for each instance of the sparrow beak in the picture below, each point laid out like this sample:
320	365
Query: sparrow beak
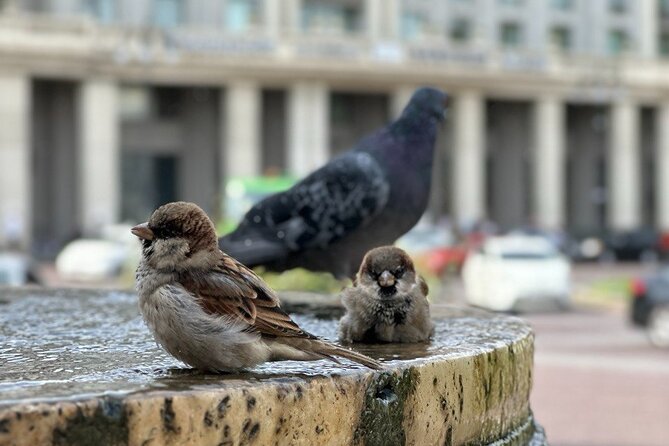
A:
386	279
142	231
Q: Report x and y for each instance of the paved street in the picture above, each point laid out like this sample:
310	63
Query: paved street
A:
598	382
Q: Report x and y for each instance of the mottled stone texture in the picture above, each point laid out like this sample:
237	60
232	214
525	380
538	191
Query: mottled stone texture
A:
455	401
463	393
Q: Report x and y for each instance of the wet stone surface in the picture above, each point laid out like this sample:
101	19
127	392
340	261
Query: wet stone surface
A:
82	364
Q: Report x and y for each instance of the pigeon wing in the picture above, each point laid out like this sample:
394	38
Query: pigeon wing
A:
333	201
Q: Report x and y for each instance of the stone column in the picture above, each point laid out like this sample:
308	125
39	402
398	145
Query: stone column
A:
242	154
624	204
549	157
10	7
308	127
99	154
399	99
469	157
15	161
662	168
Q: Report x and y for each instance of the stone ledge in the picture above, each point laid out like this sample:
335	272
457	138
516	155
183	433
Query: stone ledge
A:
470	386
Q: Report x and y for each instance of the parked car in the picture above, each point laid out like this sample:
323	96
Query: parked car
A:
642	244
638	244
650	306
664	245
588	247
93	260
517	272
435	247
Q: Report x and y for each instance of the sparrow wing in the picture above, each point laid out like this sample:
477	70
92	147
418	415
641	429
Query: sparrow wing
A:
424	288
232	290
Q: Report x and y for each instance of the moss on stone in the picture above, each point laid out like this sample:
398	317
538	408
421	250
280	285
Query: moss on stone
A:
107	425
381	421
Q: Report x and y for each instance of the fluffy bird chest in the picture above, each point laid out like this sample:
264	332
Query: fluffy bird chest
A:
191	335
393	311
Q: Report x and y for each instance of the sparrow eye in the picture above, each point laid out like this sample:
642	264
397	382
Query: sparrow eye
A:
164	232
399	272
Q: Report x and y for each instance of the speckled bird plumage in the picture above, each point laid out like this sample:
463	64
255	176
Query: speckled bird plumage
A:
366	197
208	310
387	302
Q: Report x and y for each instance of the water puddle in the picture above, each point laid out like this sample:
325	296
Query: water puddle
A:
56	344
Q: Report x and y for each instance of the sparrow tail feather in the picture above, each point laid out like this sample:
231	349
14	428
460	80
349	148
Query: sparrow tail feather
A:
331	349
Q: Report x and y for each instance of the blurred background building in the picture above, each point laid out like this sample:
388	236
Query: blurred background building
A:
560	114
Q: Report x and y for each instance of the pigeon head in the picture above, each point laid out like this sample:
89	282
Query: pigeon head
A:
427	101
387	269
178	235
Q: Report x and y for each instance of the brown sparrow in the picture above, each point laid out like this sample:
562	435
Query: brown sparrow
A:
210	311
387	302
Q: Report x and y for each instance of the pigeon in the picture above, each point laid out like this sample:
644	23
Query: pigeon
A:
387	302
366	197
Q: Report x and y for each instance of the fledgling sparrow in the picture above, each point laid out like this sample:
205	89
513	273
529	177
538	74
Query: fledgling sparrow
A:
210	311
387	302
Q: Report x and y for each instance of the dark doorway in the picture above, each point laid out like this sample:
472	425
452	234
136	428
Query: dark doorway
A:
55	211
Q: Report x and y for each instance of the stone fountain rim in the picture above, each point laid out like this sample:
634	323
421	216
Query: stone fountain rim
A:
81	409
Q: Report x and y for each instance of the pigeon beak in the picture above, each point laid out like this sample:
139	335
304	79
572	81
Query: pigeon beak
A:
142	231
386	279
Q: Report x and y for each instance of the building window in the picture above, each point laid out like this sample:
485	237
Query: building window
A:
167	13
664	8
167	102
460	30
414	25
34	6
510	35
103	10
562	5
560	38
618	6
241	15
148	180
664	44
618	41
328	17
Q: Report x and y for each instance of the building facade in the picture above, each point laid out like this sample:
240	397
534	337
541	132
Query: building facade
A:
560	112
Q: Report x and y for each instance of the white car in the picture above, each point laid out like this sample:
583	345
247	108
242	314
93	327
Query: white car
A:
91	260
517	272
